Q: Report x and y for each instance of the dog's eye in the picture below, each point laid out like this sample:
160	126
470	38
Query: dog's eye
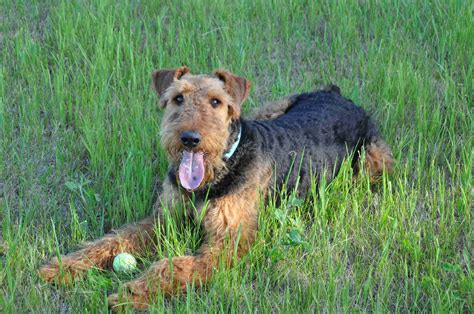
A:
179	99
215	102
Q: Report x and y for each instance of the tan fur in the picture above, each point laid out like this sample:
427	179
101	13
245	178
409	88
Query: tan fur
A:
100	253
198	115
378	158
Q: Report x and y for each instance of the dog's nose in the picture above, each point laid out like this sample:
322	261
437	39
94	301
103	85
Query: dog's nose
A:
190	139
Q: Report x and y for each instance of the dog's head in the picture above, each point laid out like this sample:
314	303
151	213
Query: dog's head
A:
199	112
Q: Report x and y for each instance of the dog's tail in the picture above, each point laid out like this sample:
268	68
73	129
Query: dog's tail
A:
378	155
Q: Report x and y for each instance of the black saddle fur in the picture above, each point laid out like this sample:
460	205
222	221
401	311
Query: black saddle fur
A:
313	137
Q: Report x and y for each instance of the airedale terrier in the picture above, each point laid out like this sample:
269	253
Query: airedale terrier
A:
225	164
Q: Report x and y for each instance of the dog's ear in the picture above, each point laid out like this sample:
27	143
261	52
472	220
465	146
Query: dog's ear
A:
162	79
236	86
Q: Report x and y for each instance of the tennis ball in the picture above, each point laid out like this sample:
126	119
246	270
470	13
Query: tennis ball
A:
124	262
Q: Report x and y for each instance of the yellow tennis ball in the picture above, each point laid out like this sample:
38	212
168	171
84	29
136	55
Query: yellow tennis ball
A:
124	262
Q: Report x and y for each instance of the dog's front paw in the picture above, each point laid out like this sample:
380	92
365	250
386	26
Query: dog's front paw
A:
134	294
58	272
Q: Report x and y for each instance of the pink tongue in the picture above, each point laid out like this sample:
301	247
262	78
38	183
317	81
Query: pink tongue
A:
191	170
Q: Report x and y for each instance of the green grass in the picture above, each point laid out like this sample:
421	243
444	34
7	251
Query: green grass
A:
80	147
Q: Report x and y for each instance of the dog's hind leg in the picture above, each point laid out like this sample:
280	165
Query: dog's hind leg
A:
378	155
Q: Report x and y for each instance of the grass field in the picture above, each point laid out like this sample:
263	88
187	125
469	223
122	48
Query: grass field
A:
80	150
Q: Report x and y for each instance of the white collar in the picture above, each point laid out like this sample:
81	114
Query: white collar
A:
234	146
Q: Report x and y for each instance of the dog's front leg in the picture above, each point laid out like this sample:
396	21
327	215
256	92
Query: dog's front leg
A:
230	225
132	238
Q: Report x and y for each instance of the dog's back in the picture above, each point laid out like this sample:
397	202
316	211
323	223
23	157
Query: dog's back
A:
313	137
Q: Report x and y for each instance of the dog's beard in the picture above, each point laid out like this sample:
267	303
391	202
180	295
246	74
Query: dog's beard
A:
194	168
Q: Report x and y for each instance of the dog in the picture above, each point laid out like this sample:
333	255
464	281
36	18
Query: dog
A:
220	168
